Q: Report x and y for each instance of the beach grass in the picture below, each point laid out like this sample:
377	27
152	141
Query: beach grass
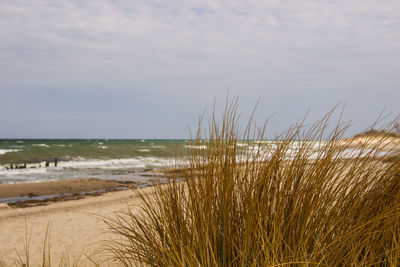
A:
325	203
308	198
23	258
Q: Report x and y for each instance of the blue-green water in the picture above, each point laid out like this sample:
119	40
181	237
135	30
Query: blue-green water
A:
46	160
25	160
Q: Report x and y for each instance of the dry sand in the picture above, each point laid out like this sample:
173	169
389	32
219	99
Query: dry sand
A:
384	143
76	226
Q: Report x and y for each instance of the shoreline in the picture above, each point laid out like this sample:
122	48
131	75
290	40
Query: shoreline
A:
42	193
29	194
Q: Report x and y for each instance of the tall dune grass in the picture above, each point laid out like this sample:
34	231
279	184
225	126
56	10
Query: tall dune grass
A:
324	203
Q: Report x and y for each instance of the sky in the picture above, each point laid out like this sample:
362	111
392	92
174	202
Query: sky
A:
149	69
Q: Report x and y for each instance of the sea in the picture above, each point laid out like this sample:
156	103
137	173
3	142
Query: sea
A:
35	160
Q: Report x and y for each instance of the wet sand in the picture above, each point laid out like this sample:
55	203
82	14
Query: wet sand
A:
60	187
42	193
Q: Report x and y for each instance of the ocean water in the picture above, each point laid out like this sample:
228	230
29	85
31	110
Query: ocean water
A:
36	160
25	160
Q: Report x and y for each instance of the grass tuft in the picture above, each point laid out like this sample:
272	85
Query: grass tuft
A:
305	199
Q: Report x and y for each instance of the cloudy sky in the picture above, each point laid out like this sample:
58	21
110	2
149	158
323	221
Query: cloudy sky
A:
148	69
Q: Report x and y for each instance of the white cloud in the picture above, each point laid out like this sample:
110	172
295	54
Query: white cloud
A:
202	47
217	26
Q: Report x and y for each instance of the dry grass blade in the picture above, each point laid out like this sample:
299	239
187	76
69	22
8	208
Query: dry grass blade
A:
46	260
305	199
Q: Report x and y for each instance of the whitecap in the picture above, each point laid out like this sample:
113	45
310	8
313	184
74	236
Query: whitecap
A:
160	147
144	150
20	172
41	145
241	144
4	151
196	147
110	164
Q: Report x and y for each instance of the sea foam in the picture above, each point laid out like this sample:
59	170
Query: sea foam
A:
4	151
131	163
41	145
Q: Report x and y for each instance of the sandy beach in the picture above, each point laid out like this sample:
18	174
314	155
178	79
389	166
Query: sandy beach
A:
76	226
74	217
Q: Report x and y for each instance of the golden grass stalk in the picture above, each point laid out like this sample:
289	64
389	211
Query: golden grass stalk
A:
46	259
304	199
